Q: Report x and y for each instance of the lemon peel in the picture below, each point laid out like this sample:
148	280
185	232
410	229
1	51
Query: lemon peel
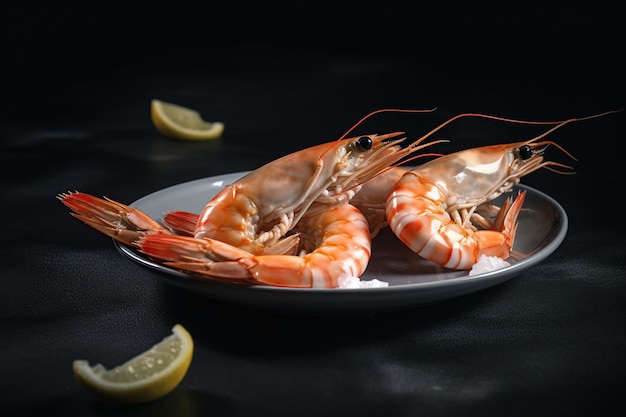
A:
181	122
146	377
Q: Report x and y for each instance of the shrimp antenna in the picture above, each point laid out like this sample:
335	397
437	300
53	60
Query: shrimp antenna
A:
414	157
367	116
382	171
526	122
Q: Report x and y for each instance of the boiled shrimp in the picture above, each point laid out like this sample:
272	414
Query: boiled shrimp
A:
337	245
436	209
246	226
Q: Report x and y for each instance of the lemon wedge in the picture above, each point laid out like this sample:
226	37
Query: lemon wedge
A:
146	377
180	122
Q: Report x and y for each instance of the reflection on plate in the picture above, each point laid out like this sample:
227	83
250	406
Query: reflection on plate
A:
412	280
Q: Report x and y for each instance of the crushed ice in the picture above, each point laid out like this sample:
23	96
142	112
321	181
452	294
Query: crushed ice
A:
356	282
486	264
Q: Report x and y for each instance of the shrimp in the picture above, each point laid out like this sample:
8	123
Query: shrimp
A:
433	207
337	240
244	231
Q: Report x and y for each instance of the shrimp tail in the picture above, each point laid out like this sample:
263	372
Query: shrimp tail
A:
202	256
499	240
181	222
123	223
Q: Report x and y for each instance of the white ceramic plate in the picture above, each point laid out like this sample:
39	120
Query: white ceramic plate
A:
412	281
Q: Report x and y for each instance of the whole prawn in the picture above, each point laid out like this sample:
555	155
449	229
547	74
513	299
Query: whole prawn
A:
434	208
242	233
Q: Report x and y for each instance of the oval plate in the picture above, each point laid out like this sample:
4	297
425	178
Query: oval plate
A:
412	280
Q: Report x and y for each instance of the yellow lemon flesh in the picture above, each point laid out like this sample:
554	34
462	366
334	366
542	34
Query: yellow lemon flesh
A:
180	122
146	377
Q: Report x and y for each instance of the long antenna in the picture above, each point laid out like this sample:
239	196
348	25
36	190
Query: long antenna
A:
367	116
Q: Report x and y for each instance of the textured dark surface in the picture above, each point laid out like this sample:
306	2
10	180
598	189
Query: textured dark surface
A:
77	85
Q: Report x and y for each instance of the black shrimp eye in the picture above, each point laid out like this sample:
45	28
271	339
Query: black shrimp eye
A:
364	143
525	152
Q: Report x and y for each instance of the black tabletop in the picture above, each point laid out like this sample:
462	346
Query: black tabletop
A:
78	82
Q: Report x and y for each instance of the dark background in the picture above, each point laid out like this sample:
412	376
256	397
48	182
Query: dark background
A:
568	51
77	80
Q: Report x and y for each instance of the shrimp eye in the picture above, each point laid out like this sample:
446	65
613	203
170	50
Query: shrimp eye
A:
525	152
364	143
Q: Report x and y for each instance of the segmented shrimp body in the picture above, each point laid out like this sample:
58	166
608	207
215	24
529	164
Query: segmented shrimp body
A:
423	215
248	230
305	193
336	244
442	209
256	212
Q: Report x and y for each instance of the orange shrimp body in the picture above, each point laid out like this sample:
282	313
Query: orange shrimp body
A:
287	223
256	212
416	211
337	244
432	207
437	208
